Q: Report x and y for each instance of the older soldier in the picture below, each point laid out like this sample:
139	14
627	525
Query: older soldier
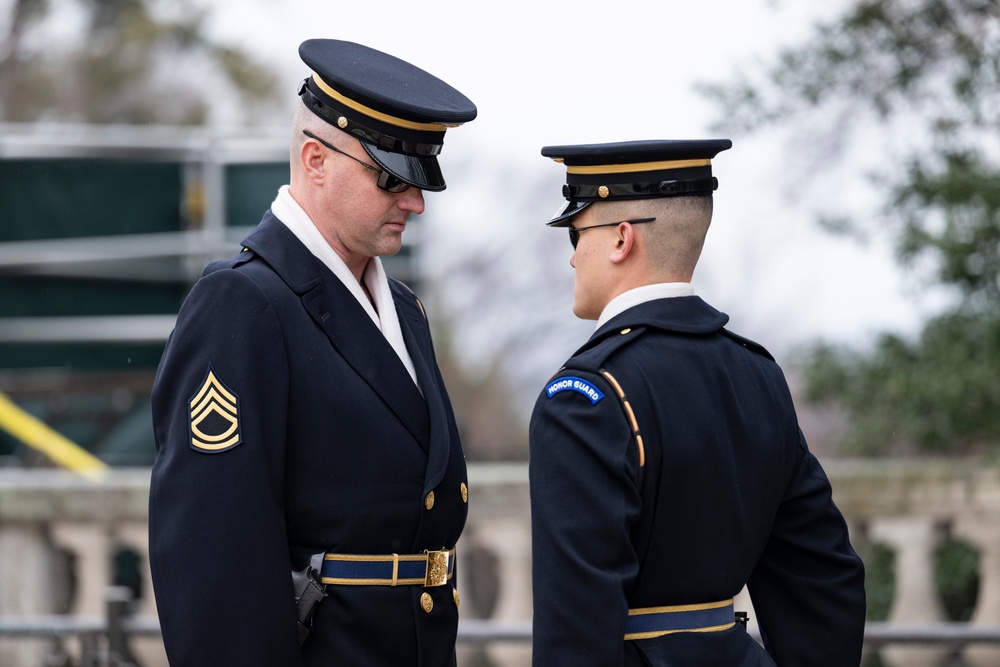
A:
667	467
301	421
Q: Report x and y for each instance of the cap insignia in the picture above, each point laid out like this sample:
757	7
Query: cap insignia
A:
214	416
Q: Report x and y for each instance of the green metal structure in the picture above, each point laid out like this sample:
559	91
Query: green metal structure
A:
103	230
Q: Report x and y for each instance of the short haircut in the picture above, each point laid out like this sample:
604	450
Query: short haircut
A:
674	242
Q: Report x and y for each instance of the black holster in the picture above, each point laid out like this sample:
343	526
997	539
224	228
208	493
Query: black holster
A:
309	592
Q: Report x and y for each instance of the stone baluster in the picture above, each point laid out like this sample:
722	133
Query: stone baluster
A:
148	650
510	541
25	587
914	540
859	534
90	544
90	547
983	532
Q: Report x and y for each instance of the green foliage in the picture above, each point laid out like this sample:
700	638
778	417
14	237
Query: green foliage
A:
927	73
964	238
884	55
880	584
956	574
136	62
935	395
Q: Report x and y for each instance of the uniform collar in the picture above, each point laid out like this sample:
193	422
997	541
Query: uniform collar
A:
639	295
688	314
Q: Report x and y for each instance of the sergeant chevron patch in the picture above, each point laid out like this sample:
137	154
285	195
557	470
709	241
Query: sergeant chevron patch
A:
214	416
571	383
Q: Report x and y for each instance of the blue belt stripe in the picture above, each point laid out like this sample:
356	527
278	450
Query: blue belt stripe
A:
378	569
684	620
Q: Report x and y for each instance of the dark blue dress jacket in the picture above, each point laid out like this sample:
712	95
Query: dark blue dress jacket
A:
325	444
727	495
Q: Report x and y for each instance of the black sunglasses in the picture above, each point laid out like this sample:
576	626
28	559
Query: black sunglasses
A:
574	232
386	181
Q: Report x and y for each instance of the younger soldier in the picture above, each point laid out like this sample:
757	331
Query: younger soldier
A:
667	467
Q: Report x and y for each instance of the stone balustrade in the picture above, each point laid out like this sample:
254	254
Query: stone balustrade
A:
912	506
60	535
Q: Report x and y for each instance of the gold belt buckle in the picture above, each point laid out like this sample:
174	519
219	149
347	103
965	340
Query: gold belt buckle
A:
437	568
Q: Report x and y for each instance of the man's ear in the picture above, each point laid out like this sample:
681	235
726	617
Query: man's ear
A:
313	161
624	243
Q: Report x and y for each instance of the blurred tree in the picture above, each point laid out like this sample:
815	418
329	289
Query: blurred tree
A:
923	74
501	307
122	61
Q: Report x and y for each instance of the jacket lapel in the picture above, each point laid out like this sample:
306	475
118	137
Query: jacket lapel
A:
415	333
345	323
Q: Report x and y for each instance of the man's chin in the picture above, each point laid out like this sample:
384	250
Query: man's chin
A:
583	313
389	247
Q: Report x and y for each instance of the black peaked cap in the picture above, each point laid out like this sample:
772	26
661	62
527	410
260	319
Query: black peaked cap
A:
399	112
634	170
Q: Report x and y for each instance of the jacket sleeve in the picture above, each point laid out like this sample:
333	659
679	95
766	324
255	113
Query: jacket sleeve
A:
808	587
218	547
582	471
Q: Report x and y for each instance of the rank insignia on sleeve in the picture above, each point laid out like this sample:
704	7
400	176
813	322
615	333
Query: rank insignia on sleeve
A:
214	416
571	383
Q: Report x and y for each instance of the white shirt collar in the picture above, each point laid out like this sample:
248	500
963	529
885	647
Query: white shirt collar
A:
288	211
638	295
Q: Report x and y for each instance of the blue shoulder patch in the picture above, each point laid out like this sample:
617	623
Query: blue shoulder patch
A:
575	384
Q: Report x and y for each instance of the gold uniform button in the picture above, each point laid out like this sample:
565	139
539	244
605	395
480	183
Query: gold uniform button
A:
426	603
625	331
465	493
454	594
429	500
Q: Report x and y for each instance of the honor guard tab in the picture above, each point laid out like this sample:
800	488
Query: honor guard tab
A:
579	385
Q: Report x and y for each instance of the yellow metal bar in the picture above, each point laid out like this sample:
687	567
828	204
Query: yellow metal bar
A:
38	435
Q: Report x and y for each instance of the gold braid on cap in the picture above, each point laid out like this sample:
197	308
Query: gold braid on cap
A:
636	167
377	115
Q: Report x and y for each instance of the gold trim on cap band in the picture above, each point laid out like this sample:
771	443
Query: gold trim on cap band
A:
377	115
636	166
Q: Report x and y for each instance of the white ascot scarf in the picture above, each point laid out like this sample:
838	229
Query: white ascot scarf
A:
286	209
634	297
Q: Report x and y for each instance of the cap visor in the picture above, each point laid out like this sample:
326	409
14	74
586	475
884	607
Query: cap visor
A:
564	214
420	172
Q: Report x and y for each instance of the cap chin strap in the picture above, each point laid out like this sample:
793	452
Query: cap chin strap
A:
701	186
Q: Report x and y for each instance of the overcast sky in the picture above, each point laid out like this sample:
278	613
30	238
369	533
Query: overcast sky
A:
583	71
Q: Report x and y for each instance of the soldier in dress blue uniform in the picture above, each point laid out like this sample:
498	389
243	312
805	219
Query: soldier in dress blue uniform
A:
667	467
300	418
